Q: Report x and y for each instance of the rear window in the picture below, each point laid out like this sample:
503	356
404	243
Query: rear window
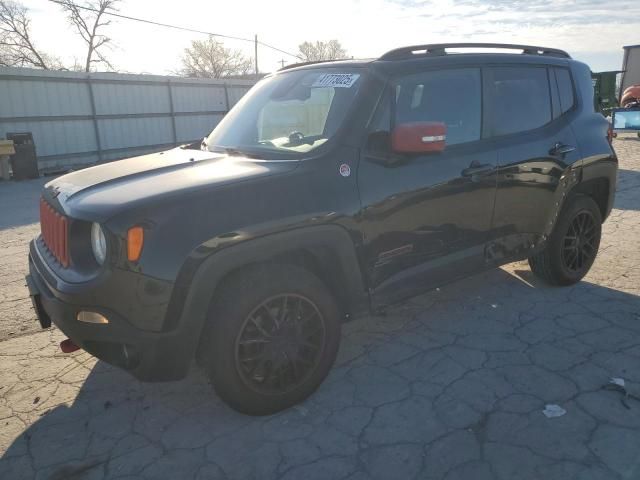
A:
565	89
520	99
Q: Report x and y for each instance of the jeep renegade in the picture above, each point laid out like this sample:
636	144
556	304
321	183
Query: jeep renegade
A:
329	190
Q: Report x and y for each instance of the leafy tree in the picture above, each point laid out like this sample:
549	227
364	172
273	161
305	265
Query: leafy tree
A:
318	50
209	58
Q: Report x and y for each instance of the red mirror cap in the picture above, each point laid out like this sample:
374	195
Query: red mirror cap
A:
419	137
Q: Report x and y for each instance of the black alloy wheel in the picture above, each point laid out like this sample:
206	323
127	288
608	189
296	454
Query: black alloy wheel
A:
580	242
272	335
573	245
280	344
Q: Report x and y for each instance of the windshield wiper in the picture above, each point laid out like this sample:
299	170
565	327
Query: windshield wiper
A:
235	152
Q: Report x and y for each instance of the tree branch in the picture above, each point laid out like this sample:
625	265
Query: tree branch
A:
88	22
318	51
18	49
209	58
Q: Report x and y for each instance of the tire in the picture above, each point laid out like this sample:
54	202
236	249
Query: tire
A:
249	359
565	261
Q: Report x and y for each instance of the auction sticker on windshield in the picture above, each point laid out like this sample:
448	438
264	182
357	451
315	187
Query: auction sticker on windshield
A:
340	80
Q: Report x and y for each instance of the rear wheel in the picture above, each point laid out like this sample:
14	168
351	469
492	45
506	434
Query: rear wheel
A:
272	337
573	245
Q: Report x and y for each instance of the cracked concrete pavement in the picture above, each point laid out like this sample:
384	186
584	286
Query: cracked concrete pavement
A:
450	384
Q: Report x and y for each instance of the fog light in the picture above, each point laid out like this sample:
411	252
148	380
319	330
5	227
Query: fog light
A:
91	317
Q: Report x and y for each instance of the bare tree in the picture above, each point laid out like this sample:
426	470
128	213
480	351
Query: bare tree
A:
318	50
211	59
89	19
17	48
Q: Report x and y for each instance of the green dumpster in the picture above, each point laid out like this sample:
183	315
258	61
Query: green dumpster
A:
604	91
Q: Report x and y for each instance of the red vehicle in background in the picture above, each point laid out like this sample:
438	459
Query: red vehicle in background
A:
630	96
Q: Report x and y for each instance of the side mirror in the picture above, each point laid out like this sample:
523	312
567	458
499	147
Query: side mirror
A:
419	137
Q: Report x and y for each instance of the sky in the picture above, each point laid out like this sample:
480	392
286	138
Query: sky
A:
592	31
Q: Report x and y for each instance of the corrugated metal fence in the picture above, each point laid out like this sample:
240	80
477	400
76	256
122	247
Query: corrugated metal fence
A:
79	119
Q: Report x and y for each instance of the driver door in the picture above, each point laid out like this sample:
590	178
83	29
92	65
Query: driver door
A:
426	216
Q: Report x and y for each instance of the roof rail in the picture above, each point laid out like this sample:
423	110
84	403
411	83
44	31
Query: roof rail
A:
440	49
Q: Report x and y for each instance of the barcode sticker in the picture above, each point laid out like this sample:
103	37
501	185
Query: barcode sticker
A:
337	80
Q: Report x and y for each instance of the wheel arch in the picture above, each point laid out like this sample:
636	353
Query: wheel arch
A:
598	180
328	251
599	190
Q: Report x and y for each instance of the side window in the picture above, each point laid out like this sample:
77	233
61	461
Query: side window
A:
565	88
520	99
453	97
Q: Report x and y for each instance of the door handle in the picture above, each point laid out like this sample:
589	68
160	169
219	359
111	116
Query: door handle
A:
560	149
476	168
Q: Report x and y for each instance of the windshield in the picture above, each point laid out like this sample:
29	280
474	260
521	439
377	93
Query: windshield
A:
293	112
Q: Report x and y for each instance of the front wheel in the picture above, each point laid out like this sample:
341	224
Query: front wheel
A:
573	245
272	337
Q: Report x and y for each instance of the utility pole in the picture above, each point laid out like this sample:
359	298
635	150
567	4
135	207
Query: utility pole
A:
255	45
282	62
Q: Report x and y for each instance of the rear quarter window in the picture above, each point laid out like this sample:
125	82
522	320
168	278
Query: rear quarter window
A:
520	99
565	89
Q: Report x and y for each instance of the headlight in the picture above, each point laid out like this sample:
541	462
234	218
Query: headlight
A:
98	243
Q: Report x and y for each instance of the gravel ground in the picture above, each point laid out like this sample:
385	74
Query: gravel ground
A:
18	225
451	384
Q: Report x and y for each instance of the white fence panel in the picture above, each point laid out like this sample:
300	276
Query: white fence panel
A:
79	119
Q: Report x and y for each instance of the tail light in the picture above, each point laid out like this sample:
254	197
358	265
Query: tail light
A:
610	134
54	228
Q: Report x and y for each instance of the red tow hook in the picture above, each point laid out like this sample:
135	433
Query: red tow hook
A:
67	346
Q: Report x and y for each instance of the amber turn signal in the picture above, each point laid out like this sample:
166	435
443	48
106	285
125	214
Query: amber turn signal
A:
135	241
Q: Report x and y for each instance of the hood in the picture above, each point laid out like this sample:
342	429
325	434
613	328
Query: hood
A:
99	192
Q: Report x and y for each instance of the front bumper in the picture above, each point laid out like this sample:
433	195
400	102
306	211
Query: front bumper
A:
149	356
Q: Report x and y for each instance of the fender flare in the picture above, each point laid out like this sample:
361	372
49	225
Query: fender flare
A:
194	308
603	170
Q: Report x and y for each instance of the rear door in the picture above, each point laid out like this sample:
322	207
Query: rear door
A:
425	217
529	111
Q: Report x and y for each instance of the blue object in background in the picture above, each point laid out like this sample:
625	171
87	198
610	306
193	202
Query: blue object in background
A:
626	119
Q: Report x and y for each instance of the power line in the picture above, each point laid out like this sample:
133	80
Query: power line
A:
177	27
279	50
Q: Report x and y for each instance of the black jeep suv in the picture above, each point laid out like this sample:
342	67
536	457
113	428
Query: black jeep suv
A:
330	189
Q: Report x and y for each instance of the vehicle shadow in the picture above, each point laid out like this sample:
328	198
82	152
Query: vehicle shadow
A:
626	197
115	426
